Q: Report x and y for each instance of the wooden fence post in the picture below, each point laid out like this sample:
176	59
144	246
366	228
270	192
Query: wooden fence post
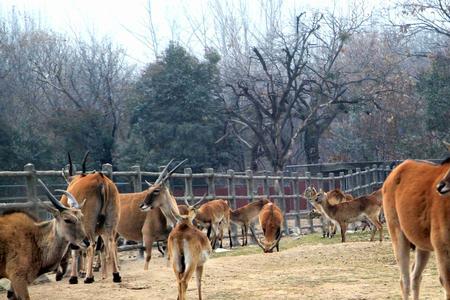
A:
342	181
331	181
308	204
282	202
107	170
188	192
250	185
296	192
350	184
31	184
210	183
368	179
266	184
232	194
374	176
358	181
136	180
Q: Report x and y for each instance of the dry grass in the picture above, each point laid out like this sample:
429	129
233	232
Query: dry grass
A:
307	268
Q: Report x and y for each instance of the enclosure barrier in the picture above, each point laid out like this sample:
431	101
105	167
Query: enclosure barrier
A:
239	188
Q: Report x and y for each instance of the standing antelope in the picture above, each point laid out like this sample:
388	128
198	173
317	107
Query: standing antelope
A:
271	220
149	226
416	206
101	216
188	247
29	248
244	215
215	215
328	225
350	211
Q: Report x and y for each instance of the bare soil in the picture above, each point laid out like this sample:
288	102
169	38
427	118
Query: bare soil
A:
312	268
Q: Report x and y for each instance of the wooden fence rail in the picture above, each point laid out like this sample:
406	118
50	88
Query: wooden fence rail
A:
286	189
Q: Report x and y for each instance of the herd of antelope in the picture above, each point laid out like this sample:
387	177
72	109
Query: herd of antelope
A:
91	214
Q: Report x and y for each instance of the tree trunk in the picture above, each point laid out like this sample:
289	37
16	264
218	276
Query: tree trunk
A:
311	144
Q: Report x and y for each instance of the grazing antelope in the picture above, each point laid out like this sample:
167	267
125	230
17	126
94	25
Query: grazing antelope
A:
271	220
416	203
29	248
101	216
215	215
244	215
350	211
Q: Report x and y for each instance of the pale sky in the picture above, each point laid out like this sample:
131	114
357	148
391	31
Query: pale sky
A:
116	19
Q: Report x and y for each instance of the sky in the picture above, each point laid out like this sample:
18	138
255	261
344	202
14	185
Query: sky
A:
126	22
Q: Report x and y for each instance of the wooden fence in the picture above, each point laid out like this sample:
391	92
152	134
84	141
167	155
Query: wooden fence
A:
237	187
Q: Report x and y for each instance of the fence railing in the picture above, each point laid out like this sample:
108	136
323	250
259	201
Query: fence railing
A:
239	188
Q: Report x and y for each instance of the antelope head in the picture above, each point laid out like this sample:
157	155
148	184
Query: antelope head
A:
192	209
315	197
68	220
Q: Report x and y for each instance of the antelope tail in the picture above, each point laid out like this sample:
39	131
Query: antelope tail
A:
103	193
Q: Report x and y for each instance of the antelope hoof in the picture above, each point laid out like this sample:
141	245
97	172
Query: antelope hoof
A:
59	276
116	277
89	280
73	280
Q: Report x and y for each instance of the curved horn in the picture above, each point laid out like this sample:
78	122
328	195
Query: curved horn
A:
51	197
173	170
83	164
447	144
63	174
256	239
148	183
70	164
160	177
70	199
201	200
276	241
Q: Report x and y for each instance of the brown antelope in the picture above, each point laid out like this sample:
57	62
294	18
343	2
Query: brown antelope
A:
149	226
328	225
29	248
271	220
350	211
416	202
244	215
188	249
101	216
215	215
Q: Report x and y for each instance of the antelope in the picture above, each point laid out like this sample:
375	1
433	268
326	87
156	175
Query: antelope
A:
328	225
244	215
350	211
29	248
416	206
101	213
149	226
188	247
215	215
270	219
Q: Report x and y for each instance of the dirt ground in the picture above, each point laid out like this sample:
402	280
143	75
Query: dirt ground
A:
312	268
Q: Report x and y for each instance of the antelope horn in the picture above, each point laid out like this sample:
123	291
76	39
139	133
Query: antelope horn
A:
148	183
277	241
163	172
256	239
173	170
51	197
447	144
70	199
70	164
63	174
83	164
201	200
